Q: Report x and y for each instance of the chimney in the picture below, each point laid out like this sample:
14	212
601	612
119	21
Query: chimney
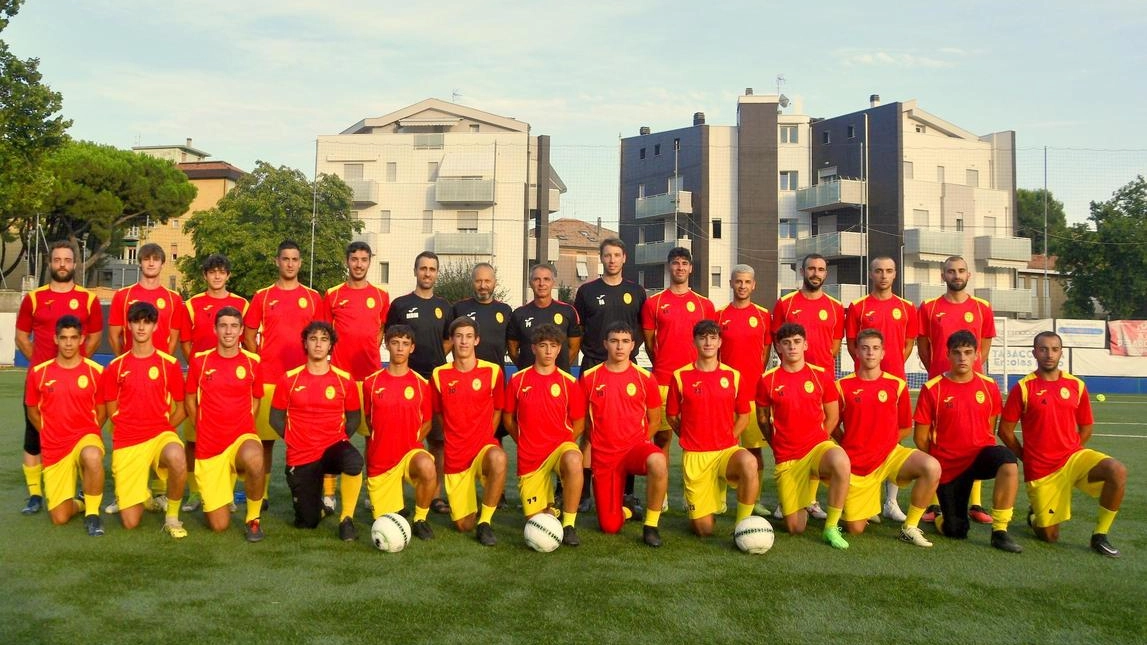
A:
188	142
873	100
644	130
748	91
698	118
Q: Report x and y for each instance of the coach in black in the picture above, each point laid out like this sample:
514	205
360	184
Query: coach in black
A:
544	308
605	300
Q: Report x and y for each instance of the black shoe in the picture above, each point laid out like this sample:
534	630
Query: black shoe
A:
347	532
634	507
255	531
95	526
651	536
440	506
1004	542
569	536
1100	545
421	530
34	505
485	534
585	506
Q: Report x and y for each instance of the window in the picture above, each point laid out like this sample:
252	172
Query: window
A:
427	221
827	174
431	170
106	276
921	129
973	178
940	174
171	282
468	221
582	268
716	229
675	184
826	137
657	150
352	171
175	223
640	191
960	222
789	134
428	141
852	132
788	180
909	170
384	273
391	171
919	218
641	153
473	127
715	276
131	254
384	221
787	229
174	251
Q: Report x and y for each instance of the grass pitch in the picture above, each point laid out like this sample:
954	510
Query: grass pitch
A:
308	587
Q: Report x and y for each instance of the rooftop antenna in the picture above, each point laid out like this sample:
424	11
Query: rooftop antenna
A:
780	81
455	95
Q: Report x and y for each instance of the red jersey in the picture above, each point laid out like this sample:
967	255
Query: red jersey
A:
1051	413
708	404
397	407
823	322
201	311
223	388
143	389
796	401
41	308
961	418
940	318
545	407
617	403
358	316
466	401
316	406
280	315
672	317
66	398
873	413
172	314
895	319
745	338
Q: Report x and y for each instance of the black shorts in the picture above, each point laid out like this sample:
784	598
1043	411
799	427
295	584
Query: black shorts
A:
306	481
954	495
31	436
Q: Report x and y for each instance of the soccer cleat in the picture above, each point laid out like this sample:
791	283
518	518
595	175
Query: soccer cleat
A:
1004	542
569	536
94	525
113	508
814	510
157	504
585	506
979	515
347	532
778	513
175	529
931	513
634	506
421	530
913	535
254	531
1100	545
665	503
34	505
485	534
893	511
833	536
328	505
760	510
651	536
193	503
875	519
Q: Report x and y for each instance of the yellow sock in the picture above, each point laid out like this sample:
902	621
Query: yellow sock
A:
833	518
568	519
975	498
192	484
329	485
420	513
914	514
95	502
487	514
172	509
935	501
939	524
267	486
254	506
352	486
743	511
81	505
158	487
652	517
627	513
32	478
1106	517
1000	518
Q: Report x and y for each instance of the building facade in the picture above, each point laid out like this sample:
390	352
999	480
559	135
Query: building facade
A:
574	250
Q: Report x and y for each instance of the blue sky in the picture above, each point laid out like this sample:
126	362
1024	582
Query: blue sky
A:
260	80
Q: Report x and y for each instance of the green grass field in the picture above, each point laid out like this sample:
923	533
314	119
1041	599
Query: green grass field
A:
307	587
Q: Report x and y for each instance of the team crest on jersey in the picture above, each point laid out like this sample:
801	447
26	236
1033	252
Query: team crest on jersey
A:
555	390
240	372
302	303
558	319
627	299
153	373
73	304
1064	393
330	392
882	396
500	318
822	314
809	387
980	398
968	317
408	392
753	322
370	303
725	380
896	314
438	313
690	307
476	384
631	389
82	382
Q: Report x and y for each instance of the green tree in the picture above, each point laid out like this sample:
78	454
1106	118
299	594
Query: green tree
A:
266	207
1029	217
99	193
454	281
1108	265
30	127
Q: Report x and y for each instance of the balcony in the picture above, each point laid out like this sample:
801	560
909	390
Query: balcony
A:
555	198
1004	252
841	244
464	243
1011	301
929	245
365	191
464	190
917	293
664	204
831	195
655	252
846	293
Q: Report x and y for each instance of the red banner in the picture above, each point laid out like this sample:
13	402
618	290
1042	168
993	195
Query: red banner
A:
1128	337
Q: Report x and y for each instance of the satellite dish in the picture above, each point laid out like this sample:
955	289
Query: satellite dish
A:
784	101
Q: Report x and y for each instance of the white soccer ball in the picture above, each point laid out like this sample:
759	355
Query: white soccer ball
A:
754	535
390	533
543	532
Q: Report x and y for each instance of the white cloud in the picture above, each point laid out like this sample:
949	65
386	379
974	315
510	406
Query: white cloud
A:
905	60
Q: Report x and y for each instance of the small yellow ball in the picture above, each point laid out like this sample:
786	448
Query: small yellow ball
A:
1100	397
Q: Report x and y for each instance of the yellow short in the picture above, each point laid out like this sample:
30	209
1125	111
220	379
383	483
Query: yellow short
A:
797	479
263	416
130	468
705	483
461	491
751	436
385	490
216	475
863	499
1050	496
60	477
537	488
187	429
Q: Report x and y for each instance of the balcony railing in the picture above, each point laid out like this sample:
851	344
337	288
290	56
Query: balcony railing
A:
846	293
464	243
1013	301
829	195
917	293
1004	252
464	190
365	190
655	252
931	245
664	204
841	244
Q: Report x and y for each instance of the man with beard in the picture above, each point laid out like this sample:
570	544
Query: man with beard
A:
543	309
941	317
36	339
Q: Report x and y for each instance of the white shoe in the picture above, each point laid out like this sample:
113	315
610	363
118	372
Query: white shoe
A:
875	519
112	509
328	504
193	503
892	511
778	513
157	504
914	536
665	504
814	510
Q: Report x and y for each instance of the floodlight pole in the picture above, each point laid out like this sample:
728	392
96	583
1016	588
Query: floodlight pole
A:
1046	285
314	214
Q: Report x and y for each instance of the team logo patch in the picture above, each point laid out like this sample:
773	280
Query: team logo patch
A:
82	382
822	314
558	319
330	392
809	387
438	313
476	384
980	398
555	390
968	317
408	392
1064	393
370	303
302	303
753	322
725	382
896	314
161	304
500	318
631	389
882	396
627	299
240	372
153	372
73	304
690	307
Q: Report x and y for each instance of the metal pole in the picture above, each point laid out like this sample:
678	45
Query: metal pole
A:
314	214
1046	284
